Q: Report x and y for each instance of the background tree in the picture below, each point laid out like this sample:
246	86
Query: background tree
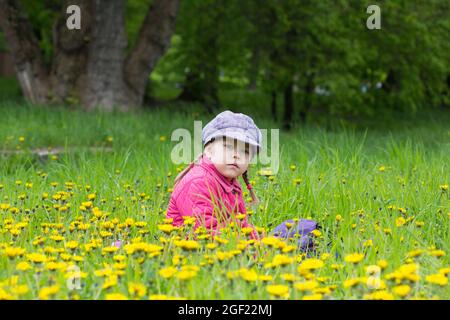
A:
91	65
314	57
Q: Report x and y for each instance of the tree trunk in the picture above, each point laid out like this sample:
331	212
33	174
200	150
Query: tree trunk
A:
288	105
89	65
70	54
105	79
30	68
154	40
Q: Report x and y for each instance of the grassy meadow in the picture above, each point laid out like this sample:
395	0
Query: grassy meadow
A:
378	190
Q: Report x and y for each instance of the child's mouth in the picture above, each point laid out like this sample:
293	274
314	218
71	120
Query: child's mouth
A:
234	165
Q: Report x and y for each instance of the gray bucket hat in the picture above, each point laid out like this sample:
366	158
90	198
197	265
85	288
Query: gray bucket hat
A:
233	125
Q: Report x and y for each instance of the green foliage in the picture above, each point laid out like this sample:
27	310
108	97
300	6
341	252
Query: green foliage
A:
324	48
136	10
42	15
326	43
10	89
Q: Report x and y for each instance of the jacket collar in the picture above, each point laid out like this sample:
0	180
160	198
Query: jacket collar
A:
227	185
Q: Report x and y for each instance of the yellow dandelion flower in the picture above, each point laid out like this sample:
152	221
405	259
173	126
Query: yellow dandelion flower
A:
186	274
265	277
415	253
46	292
278	290
271	241
306	285
72	245
110	249
379	295
354	258
164	297
438	279
382	264
188	245
115	296
400	221
248	275
13	252
20	289
316	296
309	265
110	282
23	266
167	272
401	290
137	290
211	246
282	260
5	206
247	230
444	271
316	233
336	266
289	277
167	228
368	243
437	253
349	283
36	257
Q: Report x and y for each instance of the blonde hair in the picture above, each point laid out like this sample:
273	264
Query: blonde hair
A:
180	176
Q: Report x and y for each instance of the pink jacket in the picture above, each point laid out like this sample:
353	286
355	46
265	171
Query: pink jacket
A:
198	191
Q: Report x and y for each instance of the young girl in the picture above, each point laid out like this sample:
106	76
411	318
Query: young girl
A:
208	189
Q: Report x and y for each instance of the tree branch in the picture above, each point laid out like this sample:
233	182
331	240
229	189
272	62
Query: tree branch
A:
30	67
153	41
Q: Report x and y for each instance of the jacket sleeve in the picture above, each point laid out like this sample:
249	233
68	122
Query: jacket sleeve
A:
197	202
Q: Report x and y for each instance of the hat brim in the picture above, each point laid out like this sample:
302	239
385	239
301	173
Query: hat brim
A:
240	135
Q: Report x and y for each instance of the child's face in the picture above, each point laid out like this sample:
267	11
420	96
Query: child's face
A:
231	157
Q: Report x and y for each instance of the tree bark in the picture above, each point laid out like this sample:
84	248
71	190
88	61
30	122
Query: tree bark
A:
70	53
154	40
89	65
30	68
105	79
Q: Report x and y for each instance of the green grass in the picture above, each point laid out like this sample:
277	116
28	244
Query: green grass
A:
339	171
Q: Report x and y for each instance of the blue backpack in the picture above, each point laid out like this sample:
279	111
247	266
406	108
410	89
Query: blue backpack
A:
301	230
